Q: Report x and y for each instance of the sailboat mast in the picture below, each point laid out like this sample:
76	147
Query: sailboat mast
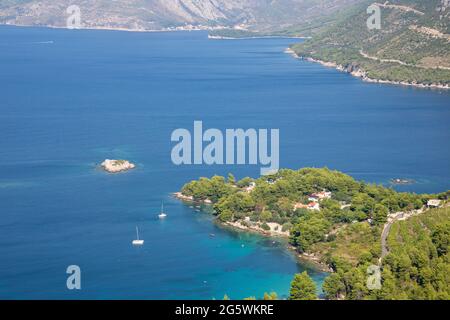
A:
137	233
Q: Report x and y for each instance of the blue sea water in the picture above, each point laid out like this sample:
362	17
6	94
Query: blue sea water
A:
71	98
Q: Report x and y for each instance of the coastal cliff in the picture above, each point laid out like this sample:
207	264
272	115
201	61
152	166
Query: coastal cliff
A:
355	70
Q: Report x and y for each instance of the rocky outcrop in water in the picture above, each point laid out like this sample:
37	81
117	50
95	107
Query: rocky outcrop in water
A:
114	166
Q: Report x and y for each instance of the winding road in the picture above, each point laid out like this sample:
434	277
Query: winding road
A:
384	235
387	227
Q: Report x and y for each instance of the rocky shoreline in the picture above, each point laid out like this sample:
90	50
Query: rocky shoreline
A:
181	196
217	37
355	71
118	28
275	228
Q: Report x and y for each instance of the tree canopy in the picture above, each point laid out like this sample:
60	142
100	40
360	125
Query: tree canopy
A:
303	287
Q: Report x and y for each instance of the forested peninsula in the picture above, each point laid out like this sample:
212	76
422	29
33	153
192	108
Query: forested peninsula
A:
343	224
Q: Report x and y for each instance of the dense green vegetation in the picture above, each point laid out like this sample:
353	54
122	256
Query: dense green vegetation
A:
398	39
302	287
417	266
344	234
273	199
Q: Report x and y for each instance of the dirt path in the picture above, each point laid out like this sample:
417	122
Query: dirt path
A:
384	235
366	55
402	8
430	32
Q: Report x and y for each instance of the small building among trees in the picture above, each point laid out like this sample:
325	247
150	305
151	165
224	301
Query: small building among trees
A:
434	203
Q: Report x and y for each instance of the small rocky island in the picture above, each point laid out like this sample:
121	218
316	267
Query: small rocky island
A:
114	166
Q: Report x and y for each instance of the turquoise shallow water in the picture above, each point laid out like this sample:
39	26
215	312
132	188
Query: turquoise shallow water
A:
69	99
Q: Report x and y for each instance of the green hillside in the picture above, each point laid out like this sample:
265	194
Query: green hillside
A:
417	266
345	231
413	44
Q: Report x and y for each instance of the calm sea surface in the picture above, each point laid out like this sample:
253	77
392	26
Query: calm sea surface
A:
70	99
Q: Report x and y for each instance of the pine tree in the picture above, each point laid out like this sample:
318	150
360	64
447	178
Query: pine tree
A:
303	287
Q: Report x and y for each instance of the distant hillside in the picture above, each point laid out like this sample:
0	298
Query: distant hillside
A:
412	46
255	15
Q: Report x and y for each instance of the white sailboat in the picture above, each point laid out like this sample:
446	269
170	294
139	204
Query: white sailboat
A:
162	215
137	242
